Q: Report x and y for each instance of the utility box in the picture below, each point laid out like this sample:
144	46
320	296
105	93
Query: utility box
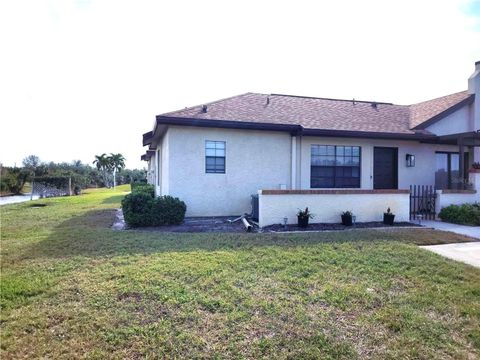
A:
255	207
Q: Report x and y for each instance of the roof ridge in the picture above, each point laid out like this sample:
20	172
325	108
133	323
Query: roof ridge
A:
440	97
332	99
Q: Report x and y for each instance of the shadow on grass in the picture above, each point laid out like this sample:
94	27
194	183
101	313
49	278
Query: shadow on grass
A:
90	235
115	199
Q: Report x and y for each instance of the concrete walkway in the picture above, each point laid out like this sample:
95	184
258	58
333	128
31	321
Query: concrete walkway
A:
472	231
468	253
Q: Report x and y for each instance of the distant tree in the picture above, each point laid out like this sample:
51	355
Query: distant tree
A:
104	165
127	176
118	164
35	166
14	180
31	162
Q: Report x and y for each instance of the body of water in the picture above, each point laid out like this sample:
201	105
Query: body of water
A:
5	200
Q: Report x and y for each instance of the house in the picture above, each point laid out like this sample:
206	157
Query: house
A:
328	154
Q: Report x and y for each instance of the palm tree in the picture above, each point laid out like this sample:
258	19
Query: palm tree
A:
104	164
118	164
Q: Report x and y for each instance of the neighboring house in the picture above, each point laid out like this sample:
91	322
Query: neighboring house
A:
330	155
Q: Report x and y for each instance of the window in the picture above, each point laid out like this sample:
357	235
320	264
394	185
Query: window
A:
215	157
447	174
335	166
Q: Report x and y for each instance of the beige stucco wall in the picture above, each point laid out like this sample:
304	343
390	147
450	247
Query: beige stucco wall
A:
423	173
452	198
254	160
151	173
258	160
446	199
163	186
327	208
459	121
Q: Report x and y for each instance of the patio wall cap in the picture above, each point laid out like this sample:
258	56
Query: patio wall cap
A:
334	191
458	191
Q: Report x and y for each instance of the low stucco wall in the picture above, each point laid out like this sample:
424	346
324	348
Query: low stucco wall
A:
459	197
455	197
327	205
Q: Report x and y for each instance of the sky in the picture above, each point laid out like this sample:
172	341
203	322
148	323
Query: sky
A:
85	77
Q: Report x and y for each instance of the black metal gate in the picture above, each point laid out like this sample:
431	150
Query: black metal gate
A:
422	202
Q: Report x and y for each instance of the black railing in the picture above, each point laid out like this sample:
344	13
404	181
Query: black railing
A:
422	202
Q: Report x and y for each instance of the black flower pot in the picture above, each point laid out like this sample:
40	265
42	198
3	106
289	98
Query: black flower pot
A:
346	220
388	219
302	221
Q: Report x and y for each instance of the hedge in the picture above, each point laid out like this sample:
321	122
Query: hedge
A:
141	209
135	184
144	188
466	214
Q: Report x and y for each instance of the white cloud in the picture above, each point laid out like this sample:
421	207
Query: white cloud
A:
85	77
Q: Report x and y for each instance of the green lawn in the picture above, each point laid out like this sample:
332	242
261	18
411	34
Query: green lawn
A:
71	287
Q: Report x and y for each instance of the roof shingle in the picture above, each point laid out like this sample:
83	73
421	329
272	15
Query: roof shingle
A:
321	113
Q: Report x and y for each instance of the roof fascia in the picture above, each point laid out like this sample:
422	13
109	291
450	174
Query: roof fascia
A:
292	129
227	124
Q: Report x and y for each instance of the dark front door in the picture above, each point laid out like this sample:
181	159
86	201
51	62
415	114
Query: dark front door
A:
385	168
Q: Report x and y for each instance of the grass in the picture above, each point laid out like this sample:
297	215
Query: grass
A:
71	287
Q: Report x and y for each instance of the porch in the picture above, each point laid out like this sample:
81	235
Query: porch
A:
327	205
458	173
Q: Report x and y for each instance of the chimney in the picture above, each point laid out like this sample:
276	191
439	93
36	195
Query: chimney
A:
474	81
474	89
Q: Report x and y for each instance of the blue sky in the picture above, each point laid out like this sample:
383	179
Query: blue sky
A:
79	78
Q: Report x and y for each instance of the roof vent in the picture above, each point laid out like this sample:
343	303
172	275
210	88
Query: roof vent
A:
374	105
268	100
204	108
353	101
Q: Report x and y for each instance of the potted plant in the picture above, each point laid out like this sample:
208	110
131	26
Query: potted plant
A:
347	218
475	168
388	217
303	216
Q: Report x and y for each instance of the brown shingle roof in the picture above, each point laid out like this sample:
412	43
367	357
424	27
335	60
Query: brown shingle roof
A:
422	112
321	113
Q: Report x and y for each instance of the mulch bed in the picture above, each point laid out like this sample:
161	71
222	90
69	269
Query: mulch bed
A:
202	225
221	224
324	226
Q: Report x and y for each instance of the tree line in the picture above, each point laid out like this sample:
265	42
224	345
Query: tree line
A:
108	170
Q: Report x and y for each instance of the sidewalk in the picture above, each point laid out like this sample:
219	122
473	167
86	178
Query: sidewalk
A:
472	231
468	253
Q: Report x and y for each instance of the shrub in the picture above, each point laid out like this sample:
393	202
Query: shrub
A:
137	209
135	184
168	210
77	190
144	188
140	208
466	214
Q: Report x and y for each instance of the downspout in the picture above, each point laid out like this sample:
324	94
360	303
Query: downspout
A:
461	169
293	170
299	163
